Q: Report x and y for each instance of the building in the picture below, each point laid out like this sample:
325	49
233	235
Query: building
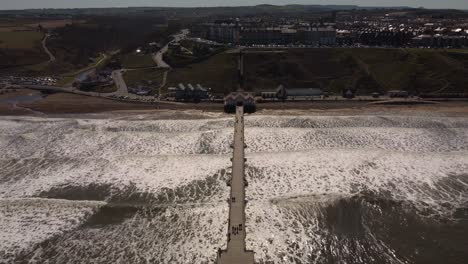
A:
377	37
140	90
320	36
93	79
235	99
221	31
224	33
439	41
189	93
252	34
398	94
284	93
269	95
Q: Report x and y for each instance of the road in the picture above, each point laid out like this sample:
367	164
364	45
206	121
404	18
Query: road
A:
119	81
236	252
44	45
122	89
163	83
158	56
55	89
253	51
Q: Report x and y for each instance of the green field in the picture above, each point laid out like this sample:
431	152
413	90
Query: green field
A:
154	77
99	62
69	71
200	52
69	77
218	72
19	49
20	40
134	61
177	60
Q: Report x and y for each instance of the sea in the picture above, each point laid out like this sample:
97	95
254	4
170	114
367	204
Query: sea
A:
151	188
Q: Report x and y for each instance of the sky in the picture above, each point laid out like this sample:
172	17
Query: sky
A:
27	4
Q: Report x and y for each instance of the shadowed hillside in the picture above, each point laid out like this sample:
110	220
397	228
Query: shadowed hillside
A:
368	70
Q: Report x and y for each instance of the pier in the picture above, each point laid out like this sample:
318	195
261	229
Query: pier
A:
236	252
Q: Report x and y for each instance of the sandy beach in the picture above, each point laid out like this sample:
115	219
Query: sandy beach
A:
29	102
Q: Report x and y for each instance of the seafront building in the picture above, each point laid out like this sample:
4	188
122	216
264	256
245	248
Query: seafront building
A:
188	93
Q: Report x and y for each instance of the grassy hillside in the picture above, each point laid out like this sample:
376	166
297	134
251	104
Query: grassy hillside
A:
20	48
20	39
197	52
75	45
368	70
218	72
134	61
144	77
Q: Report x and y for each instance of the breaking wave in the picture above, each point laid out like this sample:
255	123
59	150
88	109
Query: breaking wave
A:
322	189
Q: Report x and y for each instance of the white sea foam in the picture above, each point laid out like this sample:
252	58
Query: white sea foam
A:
102	138
391	139
406	176
26	222
299	165
171	160
169	235
340	121
30	177
316	159
276	219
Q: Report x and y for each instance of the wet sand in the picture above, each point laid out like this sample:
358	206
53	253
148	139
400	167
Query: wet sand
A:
63	103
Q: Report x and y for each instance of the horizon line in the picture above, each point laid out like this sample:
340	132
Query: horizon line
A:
234	6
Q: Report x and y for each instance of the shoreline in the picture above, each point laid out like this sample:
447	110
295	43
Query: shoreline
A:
71	104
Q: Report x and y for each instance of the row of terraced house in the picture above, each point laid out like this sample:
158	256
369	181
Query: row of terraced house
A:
236	33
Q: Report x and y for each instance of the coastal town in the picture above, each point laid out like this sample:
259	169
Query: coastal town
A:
150	71
340	29
234	132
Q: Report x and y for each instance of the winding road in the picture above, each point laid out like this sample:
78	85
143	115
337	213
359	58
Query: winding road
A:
122	89
44	46
158	56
